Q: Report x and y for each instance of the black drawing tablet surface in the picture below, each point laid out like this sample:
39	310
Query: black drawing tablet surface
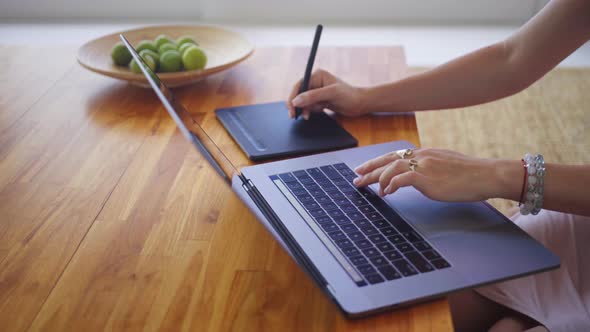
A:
266	131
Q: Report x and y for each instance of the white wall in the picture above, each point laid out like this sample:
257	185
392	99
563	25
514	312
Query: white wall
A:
282	11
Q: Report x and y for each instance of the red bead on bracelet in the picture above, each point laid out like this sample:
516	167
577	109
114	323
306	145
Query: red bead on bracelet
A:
524	165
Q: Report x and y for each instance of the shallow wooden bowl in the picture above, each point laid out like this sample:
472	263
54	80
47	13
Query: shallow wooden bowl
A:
224	49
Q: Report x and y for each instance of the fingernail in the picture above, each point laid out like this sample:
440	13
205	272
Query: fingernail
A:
387	190
296	101
356	180
306	116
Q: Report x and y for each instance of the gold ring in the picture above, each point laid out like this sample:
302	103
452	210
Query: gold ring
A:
404	153
413	165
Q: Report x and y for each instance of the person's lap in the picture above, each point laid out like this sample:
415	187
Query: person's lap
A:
474	312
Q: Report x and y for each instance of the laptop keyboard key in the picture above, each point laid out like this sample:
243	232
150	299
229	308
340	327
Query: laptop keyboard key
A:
340	182
329	206
330	172
330	189
317	213
355	216
419	262
294	185
422	246
412	236
396	239
358	260
381	223
341	166
366	269
348	208
287	177
389	272
377	238
369	230
367	209
361	222
329	227
351	251
404	247
337	235
388	231
341	201
362	244
306	180
404	267
349	228
440	263
335	213
379	260
373	216
341	220
374	279
323	220
347	188
371	252
356	236
323	199
385	246
344	243
392	255
431	254
315	192
358	201
311	205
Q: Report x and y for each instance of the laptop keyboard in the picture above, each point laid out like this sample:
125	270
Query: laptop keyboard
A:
368	238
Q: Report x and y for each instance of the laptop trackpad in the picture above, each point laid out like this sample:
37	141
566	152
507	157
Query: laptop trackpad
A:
434	219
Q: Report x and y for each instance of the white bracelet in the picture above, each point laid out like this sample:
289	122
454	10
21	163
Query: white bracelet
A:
535	179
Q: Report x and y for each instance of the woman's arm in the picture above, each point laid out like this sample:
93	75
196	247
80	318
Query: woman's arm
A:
495	71
451	176
567	187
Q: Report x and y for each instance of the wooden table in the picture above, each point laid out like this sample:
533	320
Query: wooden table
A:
110	220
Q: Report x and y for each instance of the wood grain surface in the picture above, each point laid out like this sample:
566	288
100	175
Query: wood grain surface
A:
110	220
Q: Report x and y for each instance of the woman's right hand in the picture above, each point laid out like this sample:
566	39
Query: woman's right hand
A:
327	91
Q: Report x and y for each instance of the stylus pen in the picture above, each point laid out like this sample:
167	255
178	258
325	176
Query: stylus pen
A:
314	48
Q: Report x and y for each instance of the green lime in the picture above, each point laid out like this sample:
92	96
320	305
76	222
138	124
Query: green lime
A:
146	45
186	39
166	47
134	67
184	46
120	54
170	61
194	58
154	55
163	39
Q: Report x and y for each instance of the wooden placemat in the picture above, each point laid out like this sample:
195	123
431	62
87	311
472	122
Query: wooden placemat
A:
551	117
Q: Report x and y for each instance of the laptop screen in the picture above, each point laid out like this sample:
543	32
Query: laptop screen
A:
185	122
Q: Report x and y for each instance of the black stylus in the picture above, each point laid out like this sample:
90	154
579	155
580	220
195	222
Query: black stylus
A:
314	48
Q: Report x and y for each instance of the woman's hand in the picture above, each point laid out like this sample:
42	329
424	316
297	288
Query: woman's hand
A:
327	91
443	175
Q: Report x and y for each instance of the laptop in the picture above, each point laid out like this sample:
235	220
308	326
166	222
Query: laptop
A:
368	254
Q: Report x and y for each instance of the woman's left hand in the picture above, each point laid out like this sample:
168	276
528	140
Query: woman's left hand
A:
440	175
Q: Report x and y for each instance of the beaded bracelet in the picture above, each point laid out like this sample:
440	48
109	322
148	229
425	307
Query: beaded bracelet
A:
534	179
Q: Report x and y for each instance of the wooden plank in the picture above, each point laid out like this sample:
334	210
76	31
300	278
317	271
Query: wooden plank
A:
145	236
56	179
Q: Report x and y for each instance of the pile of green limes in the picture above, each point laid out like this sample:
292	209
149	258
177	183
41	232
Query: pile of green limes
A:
163	54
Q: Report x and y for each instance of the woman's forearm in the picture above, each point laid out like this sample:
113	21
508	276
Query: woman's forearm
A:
492	72
472	79
566	188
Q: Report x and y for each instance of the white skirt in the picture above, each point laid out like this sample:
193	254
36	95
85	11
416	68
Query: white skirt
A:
558	299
